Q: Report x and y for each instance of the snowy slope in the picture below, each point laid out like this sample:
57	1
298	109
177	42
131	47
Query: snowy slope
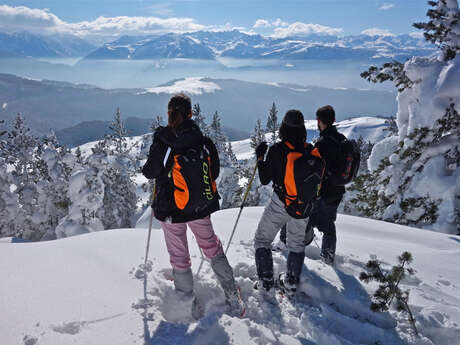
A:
370	128
83	290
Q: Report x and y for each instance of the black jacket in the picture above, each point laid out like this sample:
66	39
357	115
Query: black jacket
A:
186	136
273	168
328	148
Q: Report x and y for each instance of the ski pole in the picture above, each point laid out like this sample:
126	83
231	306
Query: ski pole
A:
152	198
241	208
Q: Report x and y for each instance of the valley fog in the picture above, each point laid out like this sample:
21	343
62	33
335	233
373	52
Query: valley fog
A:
148	73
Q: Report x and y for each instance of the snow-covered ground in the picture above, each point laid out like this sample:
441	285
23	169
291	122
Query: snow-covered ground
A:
84	290
370	128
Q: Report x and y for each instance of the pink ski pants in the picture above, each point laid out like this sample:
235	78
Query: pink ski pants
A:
176	241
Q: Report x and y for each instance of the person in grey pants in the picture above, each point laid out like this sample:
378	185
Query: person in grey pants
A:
273	169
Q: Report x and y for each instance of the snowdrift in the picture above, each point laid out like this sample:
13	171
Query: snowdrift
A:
84	290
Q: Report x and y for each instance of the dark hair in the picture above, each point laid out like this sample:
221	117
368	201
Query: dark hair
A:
292	128
326	114
179	109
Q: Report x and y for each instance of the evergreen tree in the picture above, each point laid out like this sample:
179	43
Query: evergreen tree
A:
272	123
157	122
219	139
2	133
57	168
199	119
419	141
119	195
118	134
443	28
393	71
9	204
389	290
22	153
258	135
231	155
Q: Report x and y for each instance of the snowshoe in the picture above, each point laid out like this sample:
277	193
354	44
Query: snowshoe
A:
286	288
236	304
266	291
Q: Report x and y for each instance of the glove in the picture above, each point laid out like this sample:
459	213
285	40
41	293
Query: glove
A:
261	149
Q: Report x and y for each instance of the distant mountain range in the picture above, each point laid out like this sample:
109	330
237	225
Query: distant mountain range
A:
211	45
57	105
25	44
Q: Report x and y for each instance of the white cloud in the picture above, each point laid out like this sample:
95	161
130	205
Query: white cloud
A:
377	32
302	29
43	21
21	18
262	23
386	6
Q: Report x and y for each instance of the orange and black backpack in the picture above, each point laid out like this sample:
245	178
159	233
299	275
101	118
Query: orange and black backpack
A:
302	181
194	188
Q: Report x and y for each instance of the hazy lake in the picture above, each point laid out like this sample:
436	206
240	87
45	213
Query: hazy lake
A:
149	73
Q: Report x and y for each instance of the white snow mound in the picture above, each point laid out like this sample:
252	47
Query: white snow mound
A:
89	290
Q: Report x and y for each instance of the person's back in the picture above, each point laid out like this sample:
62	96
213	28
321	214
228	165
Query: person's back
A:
171	198
273	169
325	210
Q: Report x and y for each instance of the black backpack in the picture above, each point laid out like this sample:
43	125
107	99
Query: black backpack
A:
302	182
194	188
348	163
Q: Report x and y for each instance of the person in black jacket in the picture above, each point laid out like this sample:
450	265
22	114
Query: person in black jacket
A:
273	169
324	212
181	135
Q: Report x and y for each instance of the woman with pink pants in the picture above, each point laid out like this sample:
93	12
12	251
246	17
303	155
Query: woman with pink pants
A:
181	136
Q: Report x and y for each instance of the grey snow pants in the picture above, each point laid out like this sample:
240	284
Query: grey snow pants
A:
273	219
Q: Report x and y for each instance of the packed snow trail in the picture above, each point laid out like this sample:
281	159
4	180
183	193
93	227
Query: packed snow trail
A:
88	290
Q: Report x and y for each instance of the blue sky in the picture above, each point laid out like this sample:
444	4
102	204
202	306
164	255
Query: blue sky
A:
268	17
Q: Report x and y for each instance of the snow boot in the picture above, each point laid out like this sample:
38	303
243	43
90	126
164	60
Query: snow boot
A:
265	285
264	263
183	281
288	282
224	273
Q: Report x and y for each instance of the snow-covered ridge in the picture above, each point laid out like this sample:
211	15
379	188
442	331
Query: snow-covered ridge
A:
192	86
82	290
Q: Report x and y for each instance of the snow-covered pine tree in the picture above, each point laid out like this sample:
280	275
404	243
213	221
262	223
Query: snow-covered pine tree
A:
219	139
59	163
86	192
443	27
9	203
2	132
120	192
258	135
272	124
157	122
414	175
21	151
118	134
199	119
231	155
